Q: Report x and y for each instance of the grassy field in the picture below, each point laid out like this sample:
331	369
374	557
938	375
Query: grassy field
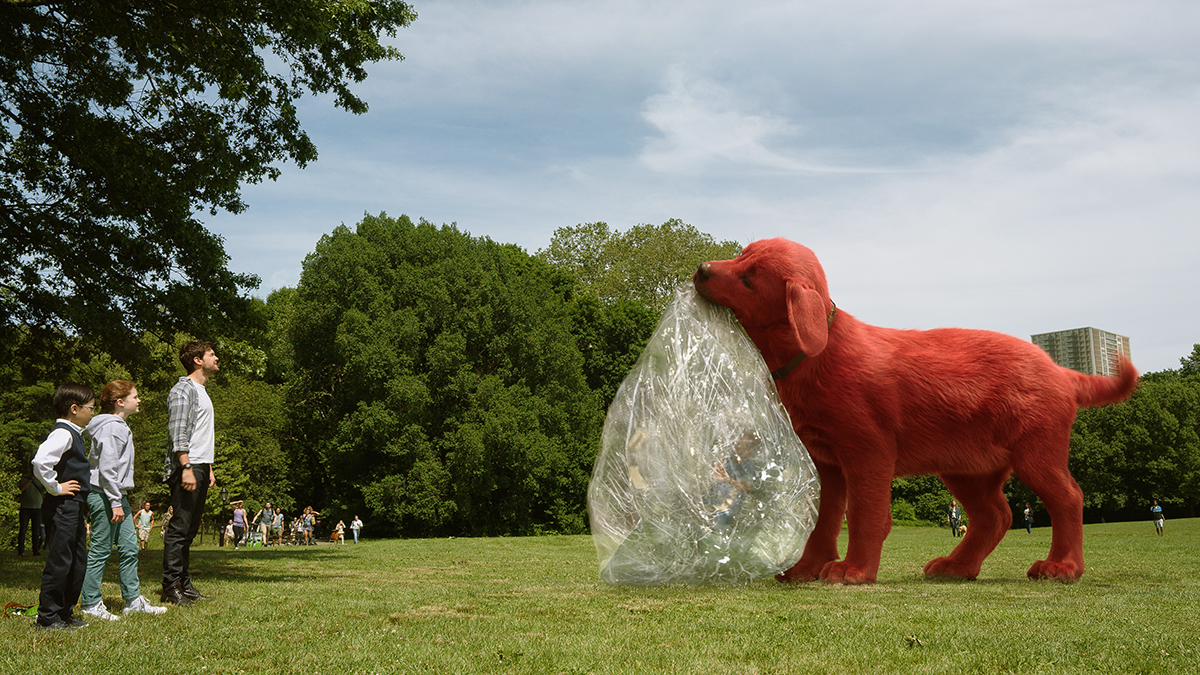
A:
536	605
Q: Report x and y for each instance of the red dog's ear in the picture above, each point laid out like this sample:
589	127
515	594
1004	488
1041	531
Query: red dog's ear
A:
806	312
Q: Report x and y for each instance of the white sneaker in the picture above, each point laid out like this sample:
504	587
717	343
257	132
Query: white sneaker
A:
99	611
140	605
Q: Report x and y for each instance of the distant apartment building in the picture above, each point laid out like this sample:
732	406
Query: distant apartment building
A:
1088	350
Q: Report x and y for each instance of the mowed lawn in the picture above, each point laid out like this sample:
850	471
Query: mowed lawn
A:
536	605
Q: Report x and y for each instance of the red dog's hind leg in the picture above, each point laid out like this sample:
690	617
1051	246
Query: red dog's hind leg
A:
989	518
1064	500
822	543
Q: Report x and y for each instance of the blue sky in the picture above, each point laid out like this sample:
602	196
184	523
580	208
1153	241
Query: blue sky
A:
1016	166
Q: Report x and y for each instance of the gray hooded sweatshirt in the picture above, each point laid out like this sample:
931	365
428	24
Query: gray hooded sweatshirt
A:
111	457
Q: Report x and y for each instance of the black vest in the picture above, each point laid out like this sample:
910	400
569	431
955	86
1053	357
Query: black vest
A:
74	464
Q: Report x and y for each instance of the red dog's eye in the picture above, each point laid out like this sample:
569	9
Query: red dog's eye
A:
747	282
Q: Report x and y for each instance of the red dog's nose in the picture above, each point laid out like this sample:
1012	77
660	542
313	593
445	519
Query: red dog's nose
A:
703	272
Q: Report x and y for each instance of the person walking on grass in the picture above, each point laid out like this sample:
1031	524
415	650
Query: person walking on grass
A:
61	465
239	525
1156	515
264	518
143	521
111	461
355	526
954	517
308	524
277	527
1028	518
188	468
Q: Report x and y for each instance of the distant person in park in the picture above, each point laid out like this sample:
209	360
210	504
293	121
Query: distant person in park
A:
31	512
61	465
339	532
1028	518
264	517
355	527
1156	515
307	524
227	535
111	459
239	524
954	517
143	520
277	527
188	468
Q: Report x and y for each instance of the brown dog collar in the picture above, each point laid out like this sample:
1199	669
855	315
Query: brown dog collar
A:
791	365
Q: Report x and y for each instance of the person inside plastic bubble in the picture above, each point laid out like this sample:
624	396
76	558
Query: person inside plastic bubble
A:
722	546
736	477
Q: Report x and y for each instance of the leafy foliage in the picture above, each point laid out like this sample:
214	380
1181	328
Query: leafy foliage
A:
442	389
120	120
644	264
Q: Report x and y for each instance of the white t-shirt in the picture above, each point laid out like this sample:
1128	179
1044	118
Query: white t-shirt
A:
202	447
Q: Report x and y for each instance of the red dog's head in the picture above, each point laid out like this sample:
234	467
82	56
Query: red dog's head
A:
777	290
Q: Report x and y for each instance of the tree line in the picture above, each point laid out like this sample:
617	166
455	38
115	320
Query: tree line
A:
437	383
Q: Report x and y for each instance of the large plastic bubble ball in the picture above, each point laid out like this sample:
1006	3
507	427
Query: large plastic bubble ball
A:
700	478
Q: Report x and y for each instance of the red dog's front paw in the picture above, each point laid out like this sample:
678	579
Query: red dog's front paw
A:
800	573
841	572
1058	571
950	568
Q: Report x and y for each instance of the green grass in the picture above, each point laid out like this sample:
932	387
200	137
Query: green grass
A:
536	605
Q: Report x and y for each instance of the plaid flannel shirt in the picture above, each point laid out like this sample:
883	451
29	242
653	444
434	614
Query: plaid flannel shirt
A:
181	421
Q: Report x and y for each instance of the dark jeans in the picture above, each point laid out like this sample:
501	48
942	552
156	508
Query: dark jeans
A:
185	523
66	557
31	521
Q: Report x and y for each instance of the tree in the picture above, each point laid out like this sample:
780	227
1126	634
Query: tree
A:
436	384
645	264
121	120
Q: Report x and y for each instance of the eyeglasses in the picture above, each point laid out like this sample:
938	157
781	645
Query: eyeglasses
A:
89	407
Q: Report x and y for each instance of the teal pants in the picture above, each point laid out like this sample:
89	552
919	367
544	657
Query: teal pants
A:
105	535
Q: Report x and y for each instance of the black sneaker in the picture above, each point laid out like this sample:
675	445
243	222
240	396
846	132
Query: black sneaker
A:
56	625
192	594
175	596
75	623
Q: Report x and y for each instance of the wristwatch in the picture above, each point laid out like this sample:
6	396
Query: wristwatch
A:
188	465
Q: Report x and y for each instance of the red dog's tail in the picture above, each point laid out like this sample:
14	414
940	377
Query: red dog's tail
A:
1092	390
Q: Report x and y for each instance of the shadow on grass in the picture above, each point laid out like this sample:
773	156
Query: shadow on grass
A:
21	576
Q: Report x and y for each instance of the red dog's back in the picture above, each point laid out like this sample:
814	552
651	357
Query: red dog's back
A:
871	403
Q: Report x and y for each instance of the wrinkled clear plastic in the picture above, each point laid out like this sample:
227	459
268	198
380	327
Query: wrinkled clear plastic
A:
700	478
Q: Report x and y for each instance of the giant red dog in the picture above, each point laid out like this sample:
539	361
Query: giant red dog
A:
872	403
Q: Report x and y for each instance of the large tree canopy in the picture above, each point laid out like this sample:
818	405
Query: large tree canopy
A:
121	120
437	385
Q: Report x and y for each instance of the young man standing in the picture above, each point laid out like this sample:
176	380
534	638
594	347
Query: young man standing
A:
189	467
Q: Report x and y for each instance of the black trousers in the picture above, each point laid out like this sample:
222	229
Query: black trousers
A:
185	523
66	557
31	521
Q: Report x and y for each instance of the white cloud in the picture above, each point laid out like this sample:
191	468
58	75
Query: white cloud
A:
1012	165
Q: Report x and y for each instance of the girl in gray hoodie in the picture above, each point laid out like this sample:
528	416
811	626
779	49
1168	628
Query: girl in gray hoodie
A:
111	457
